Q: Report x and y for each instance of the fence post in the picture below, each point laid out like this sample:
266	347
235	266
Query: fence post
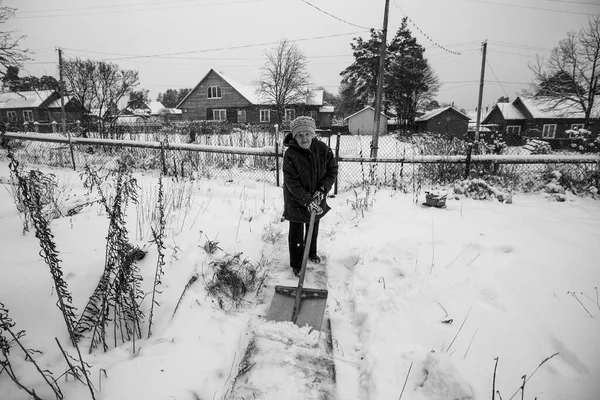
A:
337	161
162	156
25	127
36	127
276	126
277	162
468	163
54	128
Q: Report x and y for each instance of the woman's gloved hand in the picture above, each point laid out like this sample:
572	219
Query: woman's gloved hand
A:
314	206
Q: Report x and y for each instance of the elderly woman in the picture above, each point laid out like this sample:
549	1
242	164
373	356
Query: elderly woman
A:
309	171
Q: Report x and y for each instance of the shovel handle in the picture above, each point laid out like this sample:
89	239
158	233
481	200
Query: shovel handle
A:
311	227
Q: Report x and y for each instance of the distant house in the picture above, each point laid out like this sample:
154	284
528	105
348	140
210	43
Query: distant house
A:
363	122
141	111
38	106
535	118
219	98
447	121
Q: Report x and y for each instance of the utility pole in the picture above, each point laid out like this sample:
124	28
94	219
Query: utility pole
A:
480	91
61	92
378	95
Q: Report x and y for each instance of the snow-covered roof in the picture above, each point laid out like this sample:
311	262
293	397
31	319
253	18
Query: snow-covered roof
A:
56	103
249	92
432	113
363	110
509	111
327	108
155	107
544	108
27	99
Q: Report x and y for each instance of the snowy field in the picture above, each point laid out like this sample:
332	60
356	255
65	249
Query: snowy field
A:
422	301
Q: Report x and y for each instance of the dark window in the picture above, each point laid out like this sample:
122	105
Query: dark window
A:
214	92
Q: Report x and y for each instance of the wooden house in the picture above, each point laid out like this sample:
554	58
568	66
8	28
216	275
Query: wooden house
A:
526	118
363	122
219	98
446	121
37	106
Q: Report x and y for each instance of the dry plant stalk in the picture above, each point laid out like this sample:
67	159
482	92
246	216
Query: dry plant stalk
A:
158	238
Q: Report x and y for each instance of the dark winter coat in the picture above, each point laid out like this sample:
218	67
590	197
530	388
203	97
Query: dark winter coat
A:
304	172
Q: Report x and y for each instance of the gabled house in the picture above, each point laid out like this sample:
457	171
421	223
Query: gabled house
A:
219	98
363	122
37	106
535	118
447	121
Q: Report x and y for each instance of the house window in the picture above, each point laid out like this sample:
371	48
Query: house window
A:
549	131
214	92
575	128
265	116
28	115
12	116
513	130
241	116
313	114
290	114
220	115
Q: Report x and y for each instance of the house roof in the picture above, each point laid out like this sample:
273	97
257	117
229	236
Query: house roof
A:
27	99
430	114
249	91
155	107
363	110
543	108
509	111
56	103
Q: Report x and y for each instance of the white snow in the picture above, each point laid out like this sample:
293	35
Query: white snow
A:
442	292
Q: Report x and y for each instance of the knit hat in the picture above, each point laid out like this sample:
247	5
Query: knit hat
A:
302	124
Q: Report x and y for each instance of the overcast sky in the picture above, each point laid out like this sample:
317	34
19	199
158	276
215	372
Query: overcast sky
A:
174	43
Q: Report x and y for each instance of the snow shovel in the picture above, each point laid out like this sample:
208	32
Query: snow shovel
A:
301	306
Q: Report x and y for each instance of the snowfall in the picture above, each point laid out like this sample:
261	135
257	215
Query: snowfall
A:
424	303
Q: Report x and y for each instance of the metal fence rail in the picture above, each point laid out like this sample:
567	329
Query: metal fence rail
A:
402	164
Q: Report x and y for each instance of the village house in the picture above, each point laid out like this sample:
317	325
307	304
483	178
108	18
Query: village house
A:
363	122
446	121
219	98
37	106
534	118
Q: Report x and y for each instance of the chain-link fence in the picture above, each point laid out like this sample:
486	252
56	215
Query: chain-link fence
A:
233	152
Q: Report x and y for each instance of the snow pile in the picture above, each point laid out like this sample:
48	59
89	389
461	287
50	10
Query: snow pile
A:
481	190
289	333
440	379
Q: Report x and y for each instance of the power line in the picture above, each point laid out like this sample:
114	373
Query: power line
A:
111	6
522	46
333	16
229	48
140	9
497	80
574	2
203	58
531	8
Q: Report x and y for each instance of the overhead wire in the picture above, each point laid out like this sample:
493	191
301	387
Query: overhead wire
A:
333	16
170	7
529	7
164	55
495	76
433	42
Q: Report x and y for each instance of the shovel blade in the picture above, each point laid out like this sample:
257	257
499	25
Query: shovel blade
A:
312	306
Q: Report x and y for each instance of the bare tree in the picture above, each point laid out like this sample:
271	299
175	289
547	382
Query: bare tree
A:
284	79
10	53
568	79
98	84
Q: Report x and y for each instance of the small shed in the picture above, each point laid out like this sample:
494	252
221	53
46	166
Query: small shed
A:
447	121
363	122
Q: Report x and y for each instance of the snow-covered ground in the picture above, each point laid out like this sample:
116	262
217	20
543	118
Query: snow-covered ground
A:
441	293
